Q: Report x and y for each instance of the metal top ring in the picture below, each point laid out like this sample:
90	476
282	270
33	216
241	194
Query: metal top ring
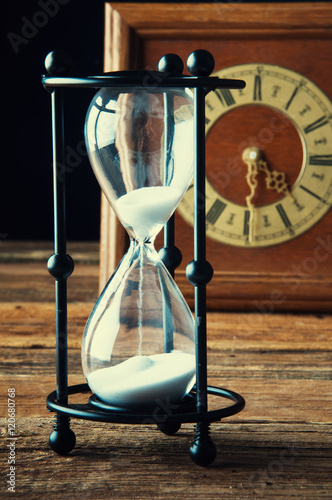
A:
143	79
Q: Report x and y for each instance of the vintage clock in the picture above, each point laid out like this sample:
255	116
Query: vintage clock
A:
288	127
269	146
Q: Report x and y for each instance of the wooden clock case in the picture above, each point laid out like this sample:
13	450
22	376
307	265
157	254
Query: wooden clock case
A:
293	276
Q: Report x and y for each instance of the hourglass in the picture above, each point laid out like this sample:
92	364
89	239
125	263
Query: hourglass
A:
143	353
138	345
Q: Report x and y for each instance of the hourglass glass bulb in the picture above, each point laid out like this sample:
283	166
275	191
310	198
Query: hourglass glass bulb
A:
140	145
138	345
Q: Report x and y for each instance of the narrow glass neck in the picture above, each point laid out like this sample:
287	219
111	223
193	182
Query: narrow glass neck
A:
143	235
148	242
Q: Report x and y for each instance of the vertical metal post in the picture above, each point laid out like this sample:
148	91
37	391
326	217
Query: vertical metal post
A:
60	265
169	240
199	271
60	245
170	255
200	251
58	145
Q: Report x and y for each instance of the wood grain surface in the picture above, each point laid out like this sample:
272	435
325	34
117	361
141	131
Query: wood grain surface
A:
279	447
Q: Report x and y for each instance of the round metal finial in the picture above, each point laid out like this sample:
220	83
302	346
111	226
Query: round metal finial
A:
200	63
58	63
171	63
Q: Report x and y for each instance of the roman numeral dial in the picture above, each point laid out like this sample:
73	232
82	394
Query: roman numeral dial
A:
293	120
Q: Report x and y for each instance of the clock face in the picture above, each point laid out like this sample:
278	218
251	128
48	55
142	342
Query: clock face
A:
270	180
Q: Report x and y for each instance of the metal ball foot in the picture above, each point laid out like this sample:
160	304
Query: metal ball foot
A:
203	451
169	428
62	440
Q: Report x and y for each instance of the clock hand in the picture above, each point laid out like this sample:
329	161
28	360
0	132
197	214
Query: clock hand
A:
275	180
251	156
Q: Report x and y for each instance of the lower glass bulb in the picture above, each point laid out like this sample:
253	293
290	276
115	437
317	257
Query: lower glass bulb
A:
138	344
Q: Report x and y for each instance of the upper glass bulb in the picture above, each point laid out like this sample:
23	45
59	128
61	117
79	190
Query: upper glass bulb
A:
140	145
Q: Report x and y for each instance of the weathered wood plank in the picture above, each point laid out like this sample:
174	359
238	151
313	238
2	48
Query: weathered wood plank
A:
254	461
31	282
278	447
33	323
86	252
248	364
268	400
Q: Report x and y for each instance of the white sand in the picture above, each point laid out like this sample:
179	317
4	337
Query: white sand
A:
143	380
145	208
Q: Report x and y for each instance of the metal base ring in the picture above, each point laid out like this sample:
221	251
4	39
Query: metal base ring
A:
98	411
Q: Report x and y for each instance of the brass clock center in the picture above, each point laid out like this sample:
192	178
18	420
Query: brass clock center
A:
252	154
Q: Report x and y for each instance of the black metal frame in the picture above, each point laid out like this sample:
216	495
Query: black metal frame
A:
199	271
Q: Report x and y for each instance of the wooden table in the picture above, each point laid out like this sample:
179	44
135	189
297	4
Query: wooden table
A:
279	447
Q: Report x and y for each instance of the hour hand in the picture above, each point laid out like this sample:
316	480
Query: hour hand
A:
274	179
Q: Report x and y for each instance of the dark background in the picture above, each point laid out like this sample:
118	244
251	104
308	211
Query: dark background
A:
26	166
